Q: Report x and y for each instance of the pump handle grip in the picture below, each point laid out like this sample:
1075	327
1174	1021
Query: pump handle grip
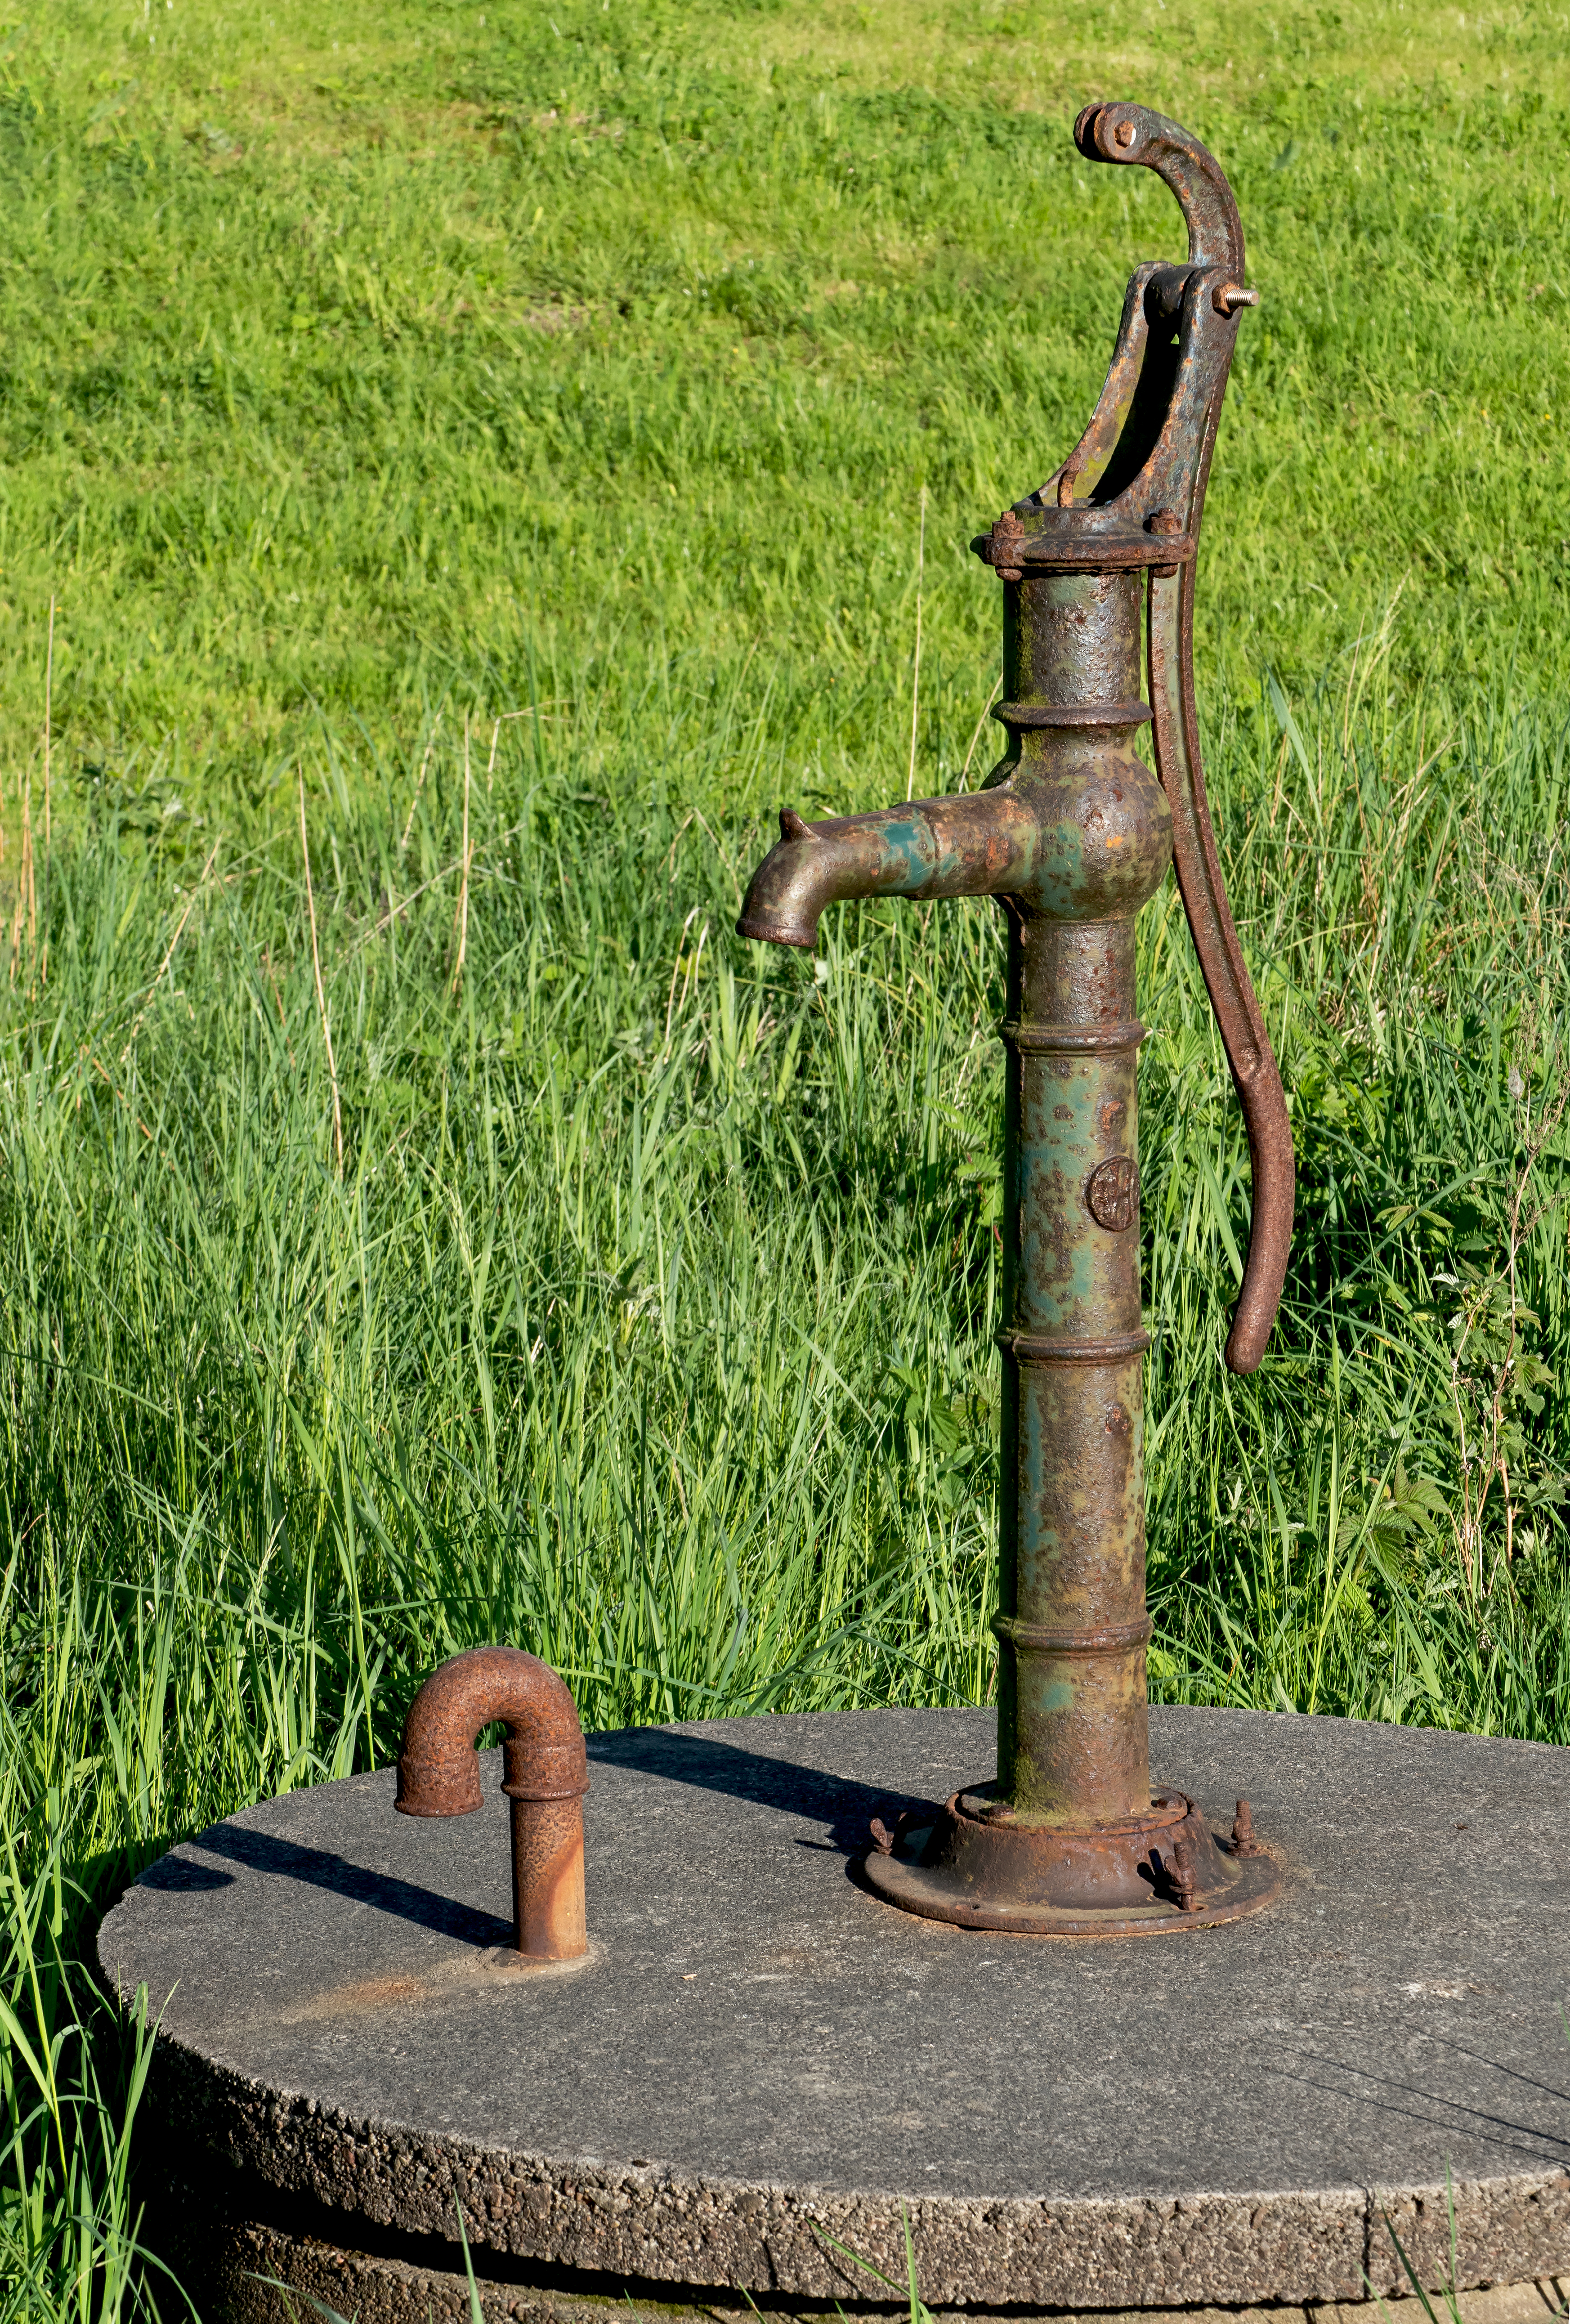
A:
1133	133
1253	1066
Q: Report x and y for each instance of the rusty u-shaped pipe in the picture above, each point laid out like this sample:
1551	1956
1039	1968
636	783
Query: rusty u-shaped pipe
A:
544	1775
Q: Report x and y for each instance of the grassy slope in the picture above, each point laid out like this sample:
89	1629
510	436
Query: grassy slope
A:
583	373
337	365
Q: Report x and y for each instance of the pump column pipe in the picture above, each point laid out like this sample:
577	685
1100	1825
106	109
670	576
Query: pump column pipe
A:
1072	832
1072	1623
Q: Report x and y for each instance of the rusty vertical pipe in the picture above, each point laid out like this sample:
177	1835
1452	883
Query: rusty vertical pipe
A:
545	1775
547	1904
1071	1624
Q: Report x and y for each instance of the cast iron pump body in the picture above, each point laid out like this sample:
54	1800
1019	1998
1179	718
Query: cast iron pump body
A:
1072	833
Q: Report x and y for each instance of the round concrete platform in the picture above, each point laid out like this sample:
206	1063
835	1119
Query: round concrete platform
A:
761	2060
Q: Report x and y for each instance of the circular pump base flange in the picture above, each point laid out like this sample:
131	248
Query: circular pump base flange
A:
979	1863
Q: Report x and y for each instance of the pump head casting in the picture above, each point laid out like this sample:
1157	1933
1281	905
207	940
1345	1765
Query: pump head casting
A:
1073	833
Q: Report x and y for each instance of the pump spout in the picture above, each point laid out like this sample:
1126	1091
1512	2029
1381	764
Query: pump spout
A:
986	842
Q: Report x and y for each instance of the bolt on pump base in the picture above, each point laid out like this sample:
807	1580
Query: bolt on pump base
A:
1073	834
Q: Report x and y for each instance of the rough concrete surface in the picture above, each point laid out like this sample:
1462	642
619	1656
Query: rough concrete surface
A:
761	2060
254	2260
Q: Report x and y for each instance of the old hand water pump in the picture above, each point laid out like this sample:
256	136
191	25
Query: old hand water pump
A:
1073	834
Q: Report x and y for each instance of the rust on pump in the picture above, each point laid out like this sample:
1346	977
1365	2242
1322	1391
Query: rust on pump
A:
1073	834
544	1775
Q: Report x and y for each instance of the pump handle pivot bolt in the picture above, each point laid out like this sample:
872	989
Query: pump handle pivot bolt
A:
1243	1842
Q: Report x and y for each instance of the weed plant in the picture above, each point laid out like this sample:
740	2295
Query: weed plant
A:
479	471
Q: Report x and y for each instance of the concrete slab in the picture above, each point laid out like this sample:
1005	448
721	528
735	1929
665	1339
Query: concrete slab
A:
760	2062
260	2273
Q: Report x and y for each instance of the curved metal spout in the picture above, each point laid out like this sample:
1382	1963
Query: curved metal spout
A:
1047	829
981	845
545	1775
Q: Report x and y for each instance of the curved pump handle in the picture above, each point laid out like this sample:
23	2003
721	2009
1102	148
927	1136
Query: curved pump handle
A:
1213	295
1133	132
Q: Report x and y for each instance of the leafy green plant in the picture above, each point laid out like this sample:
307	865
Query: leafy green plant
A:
71	2081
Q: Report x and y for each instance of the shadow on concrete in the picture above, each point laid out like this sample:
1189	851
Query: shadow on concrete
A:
841	1806
844	1807
1361	2085
178	1873
287	1860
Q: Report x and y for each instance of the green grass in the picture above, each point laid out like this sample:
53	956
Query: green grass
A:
513	440
343	367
